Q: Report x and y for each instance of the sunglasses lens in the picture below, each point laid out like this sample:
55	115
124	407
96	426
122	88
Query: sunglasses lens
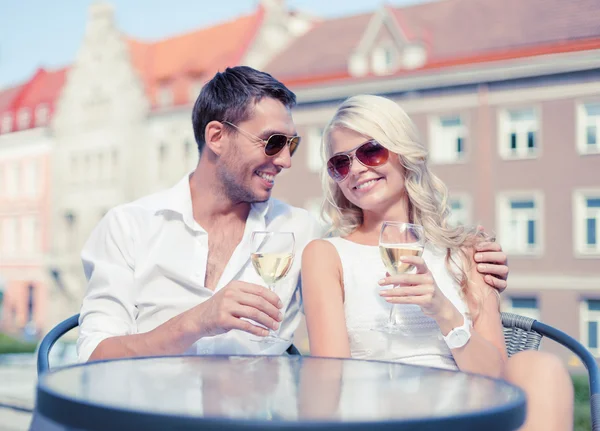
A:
275	144
294	144
338	167
372	154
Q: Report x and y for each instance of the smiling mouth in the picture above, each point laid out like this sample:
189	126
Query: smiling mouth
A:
367	184
270	178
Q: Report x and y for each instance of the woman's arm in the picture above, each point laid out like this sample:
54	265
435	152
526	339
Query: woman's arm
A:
323	298
484	353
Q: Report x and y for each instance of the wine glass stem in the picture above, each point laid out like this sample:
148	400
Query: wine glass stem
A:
392	320
273	332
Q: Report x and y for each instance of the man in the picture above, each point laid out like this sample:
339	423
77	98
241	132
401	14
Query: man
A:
170	273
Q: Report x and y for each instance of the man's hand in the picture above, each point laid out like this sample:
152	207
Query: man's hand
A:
492	263
225	310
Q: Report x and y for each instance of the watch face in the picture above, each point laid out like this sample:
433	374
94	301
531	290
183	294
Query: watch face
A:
459	338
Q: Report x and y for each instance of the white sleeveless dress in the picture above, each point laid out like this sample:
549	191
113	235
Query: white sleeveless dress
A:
366	309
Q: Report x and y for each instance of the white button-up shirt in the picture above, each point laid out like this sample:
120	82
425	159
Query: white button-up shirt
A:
146	260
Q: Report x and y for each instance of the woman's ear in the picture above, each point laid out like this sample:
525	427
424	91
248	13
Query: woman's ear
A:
214	136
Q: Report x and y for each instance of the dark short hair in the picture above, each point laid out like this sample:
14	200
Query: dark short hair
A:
231	95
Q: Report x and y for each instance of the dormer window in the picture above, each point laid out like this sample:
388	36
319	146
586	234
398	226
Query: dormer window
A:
195	88
7	123
23	118
164	97
413	56
384	59
41	114
358	66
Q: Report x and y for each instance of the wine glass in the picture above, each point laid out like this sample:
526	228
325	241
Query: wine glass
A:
398	239
272	257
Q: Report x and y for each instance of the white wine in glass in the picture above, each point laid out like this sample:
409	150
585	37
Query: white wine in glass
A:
397	240
272	257
272	267
391	254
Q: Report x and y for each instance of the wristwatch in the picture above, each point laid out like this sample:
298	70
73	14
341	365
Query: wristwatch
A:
459	336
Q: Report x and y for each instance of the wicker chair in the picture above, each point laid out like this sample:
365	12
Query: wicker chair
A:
524	333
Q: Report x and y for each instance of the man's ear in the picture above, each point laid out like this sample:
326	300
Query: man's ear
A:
214	137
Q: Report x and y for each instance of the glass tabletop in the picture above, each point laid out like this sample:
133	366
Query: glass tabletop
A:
275	389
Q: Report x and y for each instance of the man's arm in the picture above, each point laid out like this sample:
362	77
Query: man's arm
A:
108	315
221	313
491	262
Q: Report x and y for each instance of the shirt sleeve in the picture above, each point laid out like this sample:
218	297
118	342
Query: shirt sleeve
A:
108	308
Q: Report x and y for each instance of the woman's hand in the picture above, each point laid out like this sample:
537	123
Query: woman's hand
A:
422	290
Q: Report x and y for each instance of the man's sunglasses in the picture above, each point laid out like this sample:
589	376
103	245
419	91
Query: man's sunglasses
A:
274	143
370	154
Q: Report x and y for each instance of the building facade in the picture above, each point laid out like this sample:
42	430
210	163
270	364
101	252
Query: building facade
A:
511	124
25	202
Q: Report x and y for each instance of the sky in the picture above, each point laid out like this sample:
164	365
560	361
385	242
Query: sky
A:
48	33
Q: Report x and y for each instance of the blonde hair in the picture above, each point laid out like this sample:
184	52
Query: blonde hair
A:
386	122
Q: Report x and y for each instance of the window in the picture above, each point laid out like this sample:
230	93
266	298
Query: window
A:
460	211
7	123
520	224
87	167
30	234
10	235
13	179
24	118
31	178
165	96
588	128
190	154
41	114
518	133
74	165
587	223
589	325
527	307
163	155
358	65
195	88
384	59
447	139
315	163
115	158
103	169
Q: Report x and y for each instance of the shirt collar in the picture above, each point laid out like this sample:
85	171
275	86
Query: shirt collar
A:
179	200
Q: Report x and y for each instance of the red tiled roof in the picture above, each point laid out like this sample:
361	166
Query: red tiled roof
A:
454	28
8	97
323	50
171	60
452	31
182	60
43	87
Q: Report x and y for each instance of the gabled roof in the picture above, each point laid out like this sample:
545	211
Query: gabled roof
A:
323	51
43	87
181	60
8	97
454	28
452	32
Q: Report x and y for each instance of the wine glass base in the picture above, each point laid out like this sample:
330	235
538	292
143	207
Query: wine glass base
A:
270	339
391	329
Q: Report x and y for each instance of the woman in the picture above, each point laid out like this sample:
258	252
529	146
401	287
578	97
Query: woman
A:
377	171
